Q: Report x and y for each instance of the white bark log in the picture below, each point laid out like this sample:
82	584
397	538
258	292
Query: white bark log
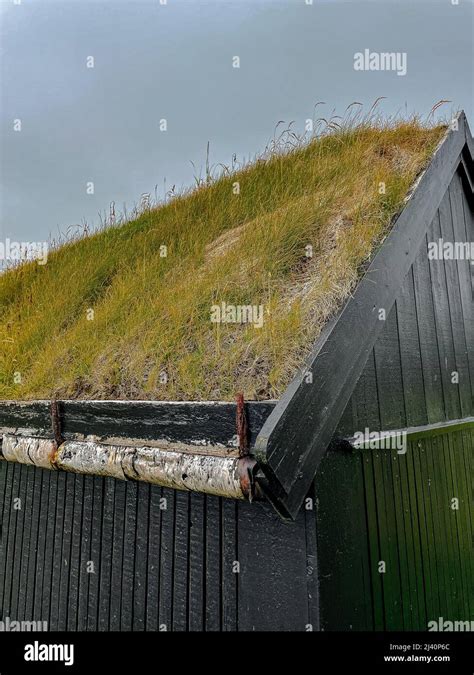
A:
181	470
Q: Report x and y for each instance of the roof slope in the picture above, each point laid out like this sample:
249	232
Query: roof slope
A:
288	235
302	424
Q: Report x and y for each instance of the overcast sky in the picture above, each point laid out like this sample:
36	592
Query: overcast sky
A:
174	61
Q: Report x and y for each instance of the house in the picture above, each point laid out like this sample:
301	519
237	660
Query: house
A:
345	504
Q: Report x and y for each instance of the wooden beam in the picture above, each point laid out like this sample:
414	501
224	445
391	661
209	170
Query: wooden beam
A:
412	433
200	423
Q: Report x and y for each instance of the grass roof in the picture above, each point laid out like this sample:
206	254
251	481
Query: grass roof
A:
127	312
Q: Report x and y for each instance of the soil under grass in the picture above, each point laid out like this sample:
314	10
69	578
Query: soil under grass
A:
131	311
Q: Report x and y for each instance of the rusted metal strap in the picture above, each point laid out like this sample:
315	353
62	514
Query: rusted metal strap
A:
242	427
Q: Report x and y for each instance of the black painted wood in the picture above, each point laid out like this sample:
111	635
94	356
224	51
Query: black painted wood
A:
213	563
57	563
201	563
96	540
300	428
444	329
146	420
153	560
196	563
106	548
410	355
140	591
273	559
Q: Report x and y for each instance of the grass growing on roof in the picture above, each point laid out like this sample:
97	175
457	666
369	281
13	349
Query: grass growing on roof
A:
151	336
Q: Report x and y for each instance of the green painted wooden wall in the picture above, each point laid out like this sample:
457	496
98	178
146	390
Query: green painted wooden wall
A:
378	505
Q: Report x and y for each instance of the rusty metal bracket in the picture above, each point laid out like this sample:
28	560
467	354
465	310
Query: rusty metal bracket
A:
242	427
56	423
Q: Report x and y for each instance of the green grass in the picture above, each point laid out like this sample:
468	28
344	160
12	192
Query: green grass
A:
152	313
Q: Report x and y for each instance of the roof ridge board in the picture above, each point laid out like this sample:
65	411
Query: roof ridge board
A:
289	457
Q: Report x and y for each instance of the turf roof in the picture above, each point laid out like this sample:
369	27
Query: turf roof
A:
136	311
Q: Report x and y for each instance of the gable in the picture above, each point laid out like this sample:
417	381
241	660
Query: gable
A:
297	433
421	368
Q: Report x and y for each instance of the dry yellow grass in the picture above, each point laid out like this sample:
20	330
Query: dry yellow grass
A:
151	335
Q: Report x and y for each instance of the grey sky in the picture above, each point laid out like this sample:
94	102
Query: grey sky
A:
174	61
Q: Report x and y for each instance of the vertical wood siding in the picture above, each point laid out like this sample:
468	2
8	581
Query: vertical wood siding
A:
377	505
88	553
428	335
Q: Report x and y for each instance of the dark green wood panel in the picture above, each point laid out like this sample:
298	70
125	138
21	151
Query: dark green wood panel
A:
383	506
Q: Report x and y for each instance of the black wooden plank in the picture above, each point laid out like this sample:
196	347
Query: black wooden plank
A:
49	547
96	540
444	328
117	556
196	553
34	545
85	570
312	567
128	561
8	470
27	415
42	546
59	527
75	566
25	581
165	620
455	310
157	501
230	565
410	354
274	570
389	375
19	506
8	529
183	422
213	563
106	553
66	549
346	423
464	268
430	359
365	400
181	561
140	590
